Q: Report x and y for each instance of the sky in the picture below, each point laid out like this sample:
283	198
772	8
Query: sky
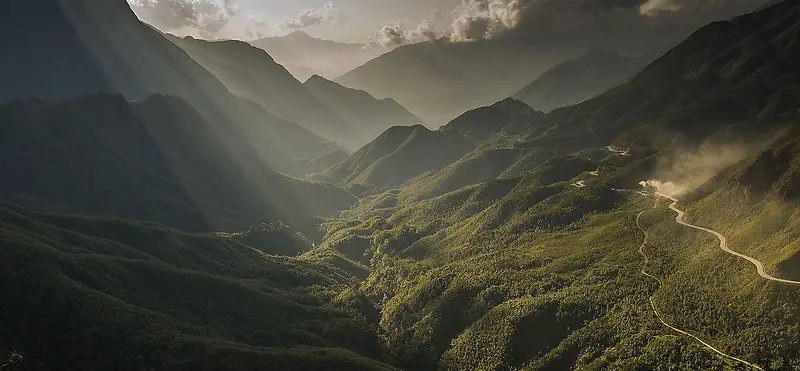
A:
395	22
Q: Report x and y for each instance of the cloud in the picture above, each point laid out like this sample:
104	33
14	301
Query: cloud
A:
207	17
587	21
312	16
484	19
653	7
426	31
390	35
393	35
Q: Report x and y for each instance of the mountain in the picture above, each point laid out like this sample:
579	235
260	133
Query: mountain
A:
151	160
509	116
368	115
439	81
67	49
252	73
305	56
579	79
403	153
330	159
538	249
110	293
736	73
651	227
396	156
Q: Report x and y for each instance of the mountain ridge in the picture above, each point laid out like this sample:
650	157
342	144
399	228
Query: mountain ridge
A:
305	55
576	80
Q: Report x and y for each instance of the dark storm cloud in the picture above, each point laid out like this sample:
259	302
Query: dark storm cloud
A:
597	22
623	24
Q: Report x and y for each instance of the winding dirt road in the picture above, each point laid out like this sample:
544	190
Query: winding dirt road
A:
661	284
723	243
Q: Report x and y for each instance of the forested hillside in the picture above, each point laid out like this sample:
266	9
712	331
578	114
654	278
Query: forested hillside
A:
526	252
86	293
148	222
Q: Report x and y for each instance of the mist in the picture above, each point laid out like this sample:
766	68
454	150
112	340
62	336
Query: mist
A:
682	171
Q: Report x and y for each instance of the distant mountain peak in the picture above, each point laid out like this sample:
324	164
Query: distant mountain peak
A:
299	35
317	78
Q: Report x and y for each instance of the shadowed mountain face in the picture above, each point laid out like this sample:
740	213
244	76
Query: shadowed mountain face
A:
726	73
305	56
66	49
579	79
440	81
150	160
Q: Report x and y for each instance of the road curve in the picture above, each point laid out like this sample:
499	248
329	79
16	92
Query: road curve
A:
723	243
661	284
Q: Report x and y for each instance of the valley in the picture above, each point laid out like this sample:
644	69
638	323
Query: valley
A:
495	202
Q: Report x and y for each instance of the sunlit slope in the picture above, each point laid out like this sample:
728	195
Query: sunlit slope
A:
540	274
398	155
108	293
539	268
403	153
760	197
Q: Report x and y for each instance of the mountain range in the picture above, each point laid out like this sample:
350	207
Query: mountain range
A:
439	81
579	79
639	218
524	253
345	116
305	56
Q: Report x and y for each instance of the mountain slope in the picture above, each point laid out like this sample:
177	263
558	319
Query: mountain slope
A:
305	56
579	79
67	49
252	73
108	293
368	115
542	269
727	73
398	155
508	116
439	81
101	155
